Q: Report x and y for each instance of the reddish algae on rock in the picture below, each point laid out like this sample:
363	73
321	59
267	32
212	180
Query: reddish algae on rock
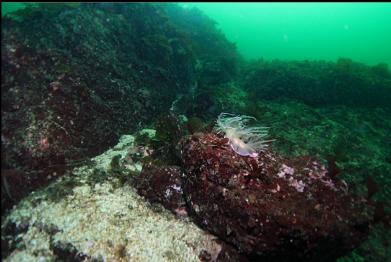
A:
269	206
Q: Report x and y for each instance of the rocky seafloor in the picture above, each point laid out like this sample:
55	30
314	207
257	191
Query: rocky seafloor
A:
94	213
91	214
78	78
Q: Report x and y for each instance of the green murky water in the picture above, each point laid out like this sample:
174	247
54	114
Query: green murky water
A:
297	31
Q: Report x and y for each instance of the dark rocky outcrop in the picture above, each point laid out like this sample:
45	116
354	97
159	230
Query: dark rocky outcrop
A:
320	83
268	207
162	185
77	76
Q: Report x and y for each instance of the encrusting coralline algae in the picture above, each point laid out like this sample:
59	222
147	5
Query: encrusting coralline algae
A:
263	204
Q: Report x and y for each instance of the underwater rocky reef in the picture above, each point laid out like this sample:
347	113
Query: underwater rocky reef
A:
268	206
79	79
75	73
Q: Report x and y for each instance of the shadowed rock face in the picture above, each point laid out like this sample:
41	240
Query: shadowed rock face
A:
78	74
271	206
163	185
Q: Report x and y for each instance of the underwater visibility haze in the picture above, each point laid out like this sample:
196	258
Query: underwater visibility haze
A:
300	31
196	132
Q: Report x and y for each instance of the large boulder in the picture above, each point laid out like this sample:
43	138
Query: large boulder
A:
268	206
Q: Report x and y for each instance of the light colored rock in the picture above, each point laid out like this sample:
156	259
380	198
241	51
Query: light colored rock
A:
103	220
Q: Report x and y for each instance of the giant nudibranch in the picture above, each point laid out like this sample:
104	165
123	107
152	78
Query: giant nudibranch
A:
244	140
